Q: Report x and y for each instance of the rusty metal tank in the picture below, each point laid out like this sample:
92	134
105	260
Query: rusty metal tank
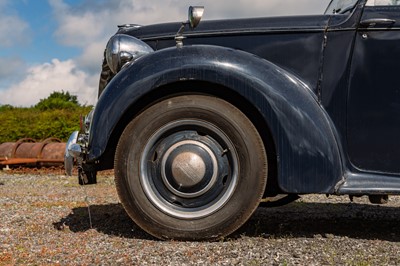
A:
28	152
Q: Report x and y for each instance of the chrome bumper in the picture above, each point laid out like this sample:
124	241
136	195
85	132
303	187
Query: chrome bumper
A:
72	150
76	151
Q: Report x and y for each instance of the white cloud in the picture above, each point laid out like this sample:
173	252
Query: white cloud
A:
91	57
9	66
13	29
41	80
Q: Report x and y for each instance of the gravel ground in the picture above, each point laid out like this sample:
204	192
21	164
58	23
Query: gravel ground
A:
47	219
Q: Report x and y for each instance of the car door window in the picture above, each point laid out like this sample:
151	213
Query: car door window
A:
341	6
383	2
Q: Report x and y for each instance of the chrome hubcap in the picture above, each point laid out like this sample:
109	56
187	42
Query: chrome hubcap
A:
189	169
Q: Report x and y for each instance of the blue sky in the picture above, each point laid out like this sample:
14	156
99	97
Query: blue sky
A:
54	45
38	15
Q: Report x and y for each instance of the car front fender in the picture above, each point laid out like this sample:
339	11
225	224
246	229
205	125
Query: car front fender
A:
308	155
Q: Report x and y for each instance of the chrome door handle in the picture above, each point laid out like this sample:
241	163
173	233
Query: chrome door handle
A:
372	22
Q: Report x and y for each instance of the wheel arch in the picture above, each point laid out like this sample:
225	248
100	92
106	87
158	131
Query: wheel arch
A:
281	107
201	88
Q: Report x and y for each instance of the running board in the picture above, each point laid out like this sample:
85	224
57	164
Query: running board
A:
369	184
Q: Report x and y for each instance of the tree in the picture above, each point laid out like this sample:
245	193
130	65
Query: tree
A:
58	100
6	107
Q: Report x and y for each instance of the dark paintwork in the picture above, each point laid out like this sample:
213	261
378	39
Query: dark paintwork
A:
286	41
374	118
330	98
286	104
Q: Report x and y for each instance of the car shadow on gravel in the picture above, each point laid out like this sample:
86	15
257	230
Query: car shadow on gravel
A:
296	220
309	220
110	219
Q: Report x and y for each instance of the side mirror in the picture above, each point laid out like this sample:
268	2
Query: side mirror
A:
195	15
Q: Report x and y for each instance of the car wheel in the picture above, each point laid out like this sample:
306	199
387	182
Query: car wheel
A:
190	168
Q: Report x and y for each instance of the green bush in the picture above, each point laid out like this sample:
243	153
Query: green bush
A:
52	117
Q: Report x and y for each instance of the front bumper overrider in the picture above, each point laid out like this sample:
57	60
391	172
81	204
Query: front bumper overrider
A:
71	152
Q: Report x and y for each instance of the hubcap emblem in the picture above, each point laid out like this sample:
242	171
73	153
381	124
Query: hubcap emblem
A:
188	169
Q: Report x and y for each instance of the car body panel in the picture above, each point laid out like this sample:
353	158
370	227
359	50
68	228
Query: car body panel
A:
324	85
288	106
285	41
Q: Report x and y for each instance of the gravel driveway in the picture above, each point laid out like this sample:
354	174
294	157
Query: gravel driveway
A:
47	219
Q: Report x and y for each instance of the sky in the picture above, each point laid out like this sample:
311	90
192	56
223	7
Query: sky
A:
57	45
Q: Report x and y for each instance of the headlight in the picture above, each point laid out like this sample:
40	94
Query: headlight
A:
122	49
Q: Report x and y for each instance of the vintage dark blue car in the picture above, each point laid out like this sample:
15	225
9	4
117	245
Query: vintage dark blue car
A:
203	125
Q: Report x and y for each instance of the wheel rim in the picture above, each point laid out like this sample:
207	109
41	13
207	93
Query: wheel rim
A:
189	169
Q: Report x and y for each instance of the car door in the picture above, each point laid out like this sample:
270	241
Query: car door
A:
373	124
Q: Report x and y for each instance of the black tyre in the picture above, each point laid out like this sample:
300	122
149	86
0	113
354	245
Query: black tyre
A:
190	168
